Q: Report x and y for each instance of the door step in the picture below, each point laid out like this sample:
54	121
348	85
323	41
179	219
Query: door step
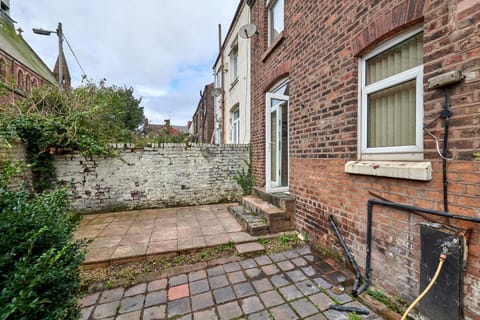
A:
254	224
260	217
250	248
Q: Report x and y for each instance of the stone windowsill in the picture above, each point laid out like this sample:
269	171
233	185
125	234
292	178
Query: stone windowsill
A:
274	45
233	84
393	169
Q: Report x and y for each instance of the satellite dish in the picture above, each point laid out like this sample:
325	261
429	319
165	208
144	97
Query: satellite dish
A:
216	92
247	31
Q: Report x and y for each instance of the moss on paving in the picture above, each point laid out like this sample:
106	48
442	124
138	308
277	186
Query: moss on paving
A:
117	274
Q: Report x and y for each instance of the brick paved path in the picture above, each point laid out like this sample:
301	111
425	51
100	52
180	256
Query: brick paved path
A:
289	285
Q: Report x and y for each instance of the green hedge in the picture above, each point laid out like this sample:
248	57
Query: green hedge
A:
39	275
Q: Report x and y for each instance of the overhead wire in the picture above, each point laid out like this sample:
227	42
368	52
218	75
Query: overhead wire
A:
84	75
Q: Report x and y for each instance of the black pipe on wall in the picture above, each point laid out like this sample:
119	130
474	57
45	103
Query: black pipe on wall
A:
404	207
358	275
445	114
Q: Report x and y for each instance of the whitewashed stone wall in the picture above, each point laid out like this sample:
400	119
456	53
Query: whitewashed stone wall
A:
164	176
16	152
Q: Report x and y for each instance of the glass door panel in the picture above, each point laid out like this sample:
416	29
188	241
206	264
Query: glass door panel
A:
277	143
273	147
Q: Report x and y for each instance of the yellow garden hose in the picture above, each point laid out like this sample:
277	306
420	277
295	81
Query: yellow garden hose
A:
430	285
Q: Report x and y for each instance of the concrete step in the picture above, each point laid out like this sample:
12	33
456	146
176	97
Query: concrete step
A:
275	217
249	248
283	200
254	224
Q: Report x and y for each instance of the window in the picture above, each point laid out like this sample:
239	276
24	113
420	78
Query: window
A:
19	79
3	68
234	62
391	107
235	121
275	19
218	79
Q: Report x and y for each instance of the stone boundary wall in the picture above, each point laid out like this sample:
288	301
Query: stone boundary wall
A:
165	175
16	152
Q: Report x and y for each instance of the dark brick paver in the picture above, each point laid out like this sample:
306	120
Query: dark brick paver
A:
286	285
131	304
229	310
199	286
202	301
178	307
243	290
224	294
271	298
251	305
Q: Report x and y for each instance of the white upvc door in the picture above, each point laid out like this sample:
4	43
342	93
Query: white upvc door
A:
276	164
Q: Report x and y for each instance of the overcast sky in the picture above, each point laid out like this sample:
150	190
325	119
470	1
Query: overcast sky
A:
164	49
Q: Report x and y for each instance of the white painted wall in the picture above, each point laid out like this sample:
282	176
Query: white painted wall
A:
163	176
237	91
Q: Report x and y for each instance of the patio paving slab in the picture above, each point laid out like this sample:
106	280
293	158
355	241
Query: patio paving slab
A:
188	295
141	234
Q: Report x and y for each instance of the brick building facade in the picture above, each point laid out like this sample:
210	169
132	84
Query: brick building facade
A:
313	64
20	67
203	118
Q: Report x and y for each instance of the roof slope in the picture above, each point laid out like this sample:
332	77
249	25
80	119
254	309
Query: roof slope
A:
15	46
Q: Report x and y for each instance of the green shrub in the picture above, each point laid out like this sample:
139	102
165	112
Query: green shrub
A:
246	179
39	261
85	119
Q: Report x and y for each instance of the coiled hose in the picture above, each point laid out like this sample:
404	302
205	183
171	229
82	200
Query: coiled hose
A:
443	256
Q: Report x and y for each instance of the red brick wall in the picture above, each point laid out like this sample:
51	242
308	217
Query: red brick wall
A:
9	72
319	52
204	123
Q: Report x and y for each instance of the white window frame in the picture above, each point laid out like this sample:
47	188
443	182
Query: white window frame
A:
413	152
235	125
269	186
218	78
234	62
270	5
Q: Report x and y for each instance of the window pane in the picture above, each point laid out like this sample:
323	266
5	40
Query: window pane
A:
273	146
276	19
404	56
391	116
283	89
234	62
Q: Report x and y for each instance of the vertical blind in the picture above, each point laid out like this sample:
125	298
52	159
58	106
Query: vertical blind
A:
391	111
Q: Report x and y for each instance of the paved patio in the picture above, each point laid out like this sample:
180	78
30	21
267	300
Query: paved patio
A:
288	285
140	234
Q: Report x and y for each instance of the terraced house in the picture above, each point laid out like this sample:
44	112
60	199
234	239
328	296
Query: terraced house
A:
360	100
232	83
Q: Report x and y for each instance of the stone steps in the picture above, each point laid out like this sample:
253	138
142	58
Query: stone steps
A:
254	224
263	213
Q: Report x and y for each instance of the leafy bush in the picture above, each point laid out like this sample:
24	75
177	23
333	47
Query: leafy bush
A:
246	179
83	119
39	261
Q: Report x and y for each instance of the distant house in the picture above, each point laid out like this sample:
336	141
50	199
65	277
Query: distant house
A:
203	118
164	129
20	67
232	83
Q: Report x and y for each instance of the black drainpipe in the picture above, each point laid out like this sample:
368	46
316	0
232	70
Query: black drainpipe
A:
358	275
445	114
404	207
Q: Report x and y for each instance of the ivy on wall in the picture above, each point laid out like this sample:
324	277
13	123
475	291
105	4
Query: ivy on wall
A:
85	119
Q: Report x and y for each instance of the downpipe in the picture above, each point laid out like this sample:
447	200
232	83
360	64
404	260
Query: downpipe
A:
445	114
351	259
368	269
403	207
